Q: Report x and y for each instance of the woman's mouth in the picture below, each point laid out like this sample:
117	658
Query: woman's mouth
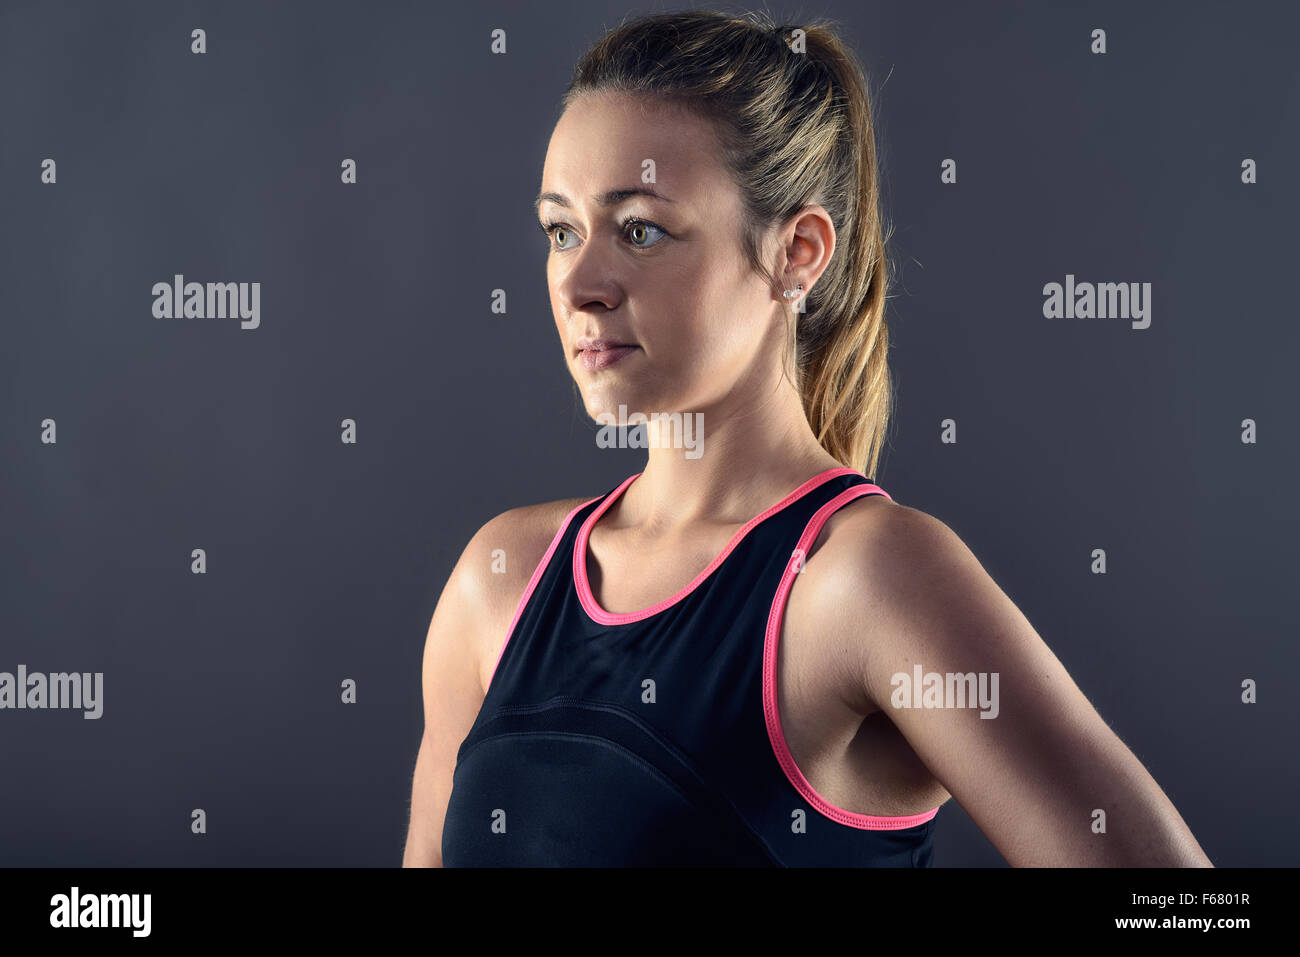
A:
594	359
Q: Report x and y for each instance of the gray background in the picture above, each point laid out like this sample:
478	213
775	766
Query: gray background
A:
221	691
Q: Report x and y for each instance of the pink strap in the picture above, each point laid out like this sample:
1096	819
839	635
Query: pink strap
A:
771	642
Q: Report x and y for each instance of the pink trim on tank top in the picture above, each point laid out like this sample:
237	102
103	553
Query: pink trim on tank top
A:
771	642
532	582
603	617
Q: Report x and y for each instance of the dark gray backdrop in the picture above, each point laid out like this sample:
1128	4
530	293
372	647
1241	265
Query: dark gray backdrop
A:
221	690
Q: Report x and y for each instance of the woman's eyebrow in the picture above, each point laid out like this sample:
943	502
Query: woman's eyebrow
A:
609	198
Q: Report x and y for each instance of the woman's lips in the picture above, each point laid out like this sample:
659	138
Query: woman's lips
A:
594	359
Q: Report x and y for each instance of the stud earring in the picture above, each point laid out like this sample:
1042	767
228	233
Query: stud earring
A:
792	293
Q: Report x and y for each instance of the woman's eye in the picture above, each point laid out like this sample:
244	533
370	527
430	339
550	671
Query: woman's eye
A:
641	233
560	234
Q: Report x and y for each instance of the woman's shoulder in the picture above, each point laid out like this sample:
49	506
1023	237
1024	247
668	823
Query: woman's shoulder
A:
512	542
869	521
906	575
874	539
499	561
526	526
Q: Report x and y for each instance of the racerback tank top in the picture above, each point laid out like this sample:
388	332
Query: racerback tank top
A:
652	738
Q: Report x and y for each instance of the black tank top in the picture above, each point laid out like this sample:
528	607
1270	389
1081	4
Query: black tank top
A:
652	738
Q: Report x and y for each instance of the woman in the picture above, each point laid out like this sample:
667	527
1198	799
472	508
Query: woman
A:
713	663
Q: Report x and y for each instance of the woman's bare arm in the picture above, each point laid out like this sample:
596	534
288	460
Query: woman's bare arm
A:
1034	777
453	694
466	635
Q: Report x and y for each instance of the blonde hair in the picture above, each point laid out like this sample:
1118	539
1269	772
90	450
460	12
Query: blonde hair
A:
795	128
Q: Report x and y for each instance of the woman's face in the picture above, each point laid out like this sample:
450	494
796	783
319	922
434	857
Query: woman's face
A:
664	275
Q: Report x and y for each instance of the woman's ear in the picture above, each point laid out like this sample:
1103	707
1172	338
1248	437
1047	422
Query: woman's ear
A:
807	242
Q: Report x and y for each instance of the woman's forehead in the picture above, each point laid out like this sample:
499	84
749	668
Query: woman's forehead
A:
608	141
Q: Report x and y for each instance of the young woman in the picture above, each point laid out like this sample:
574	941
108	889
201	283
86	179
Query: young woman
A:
706	665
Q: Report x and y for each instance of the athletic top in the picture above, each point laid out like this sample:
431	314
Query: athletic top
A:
652	738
